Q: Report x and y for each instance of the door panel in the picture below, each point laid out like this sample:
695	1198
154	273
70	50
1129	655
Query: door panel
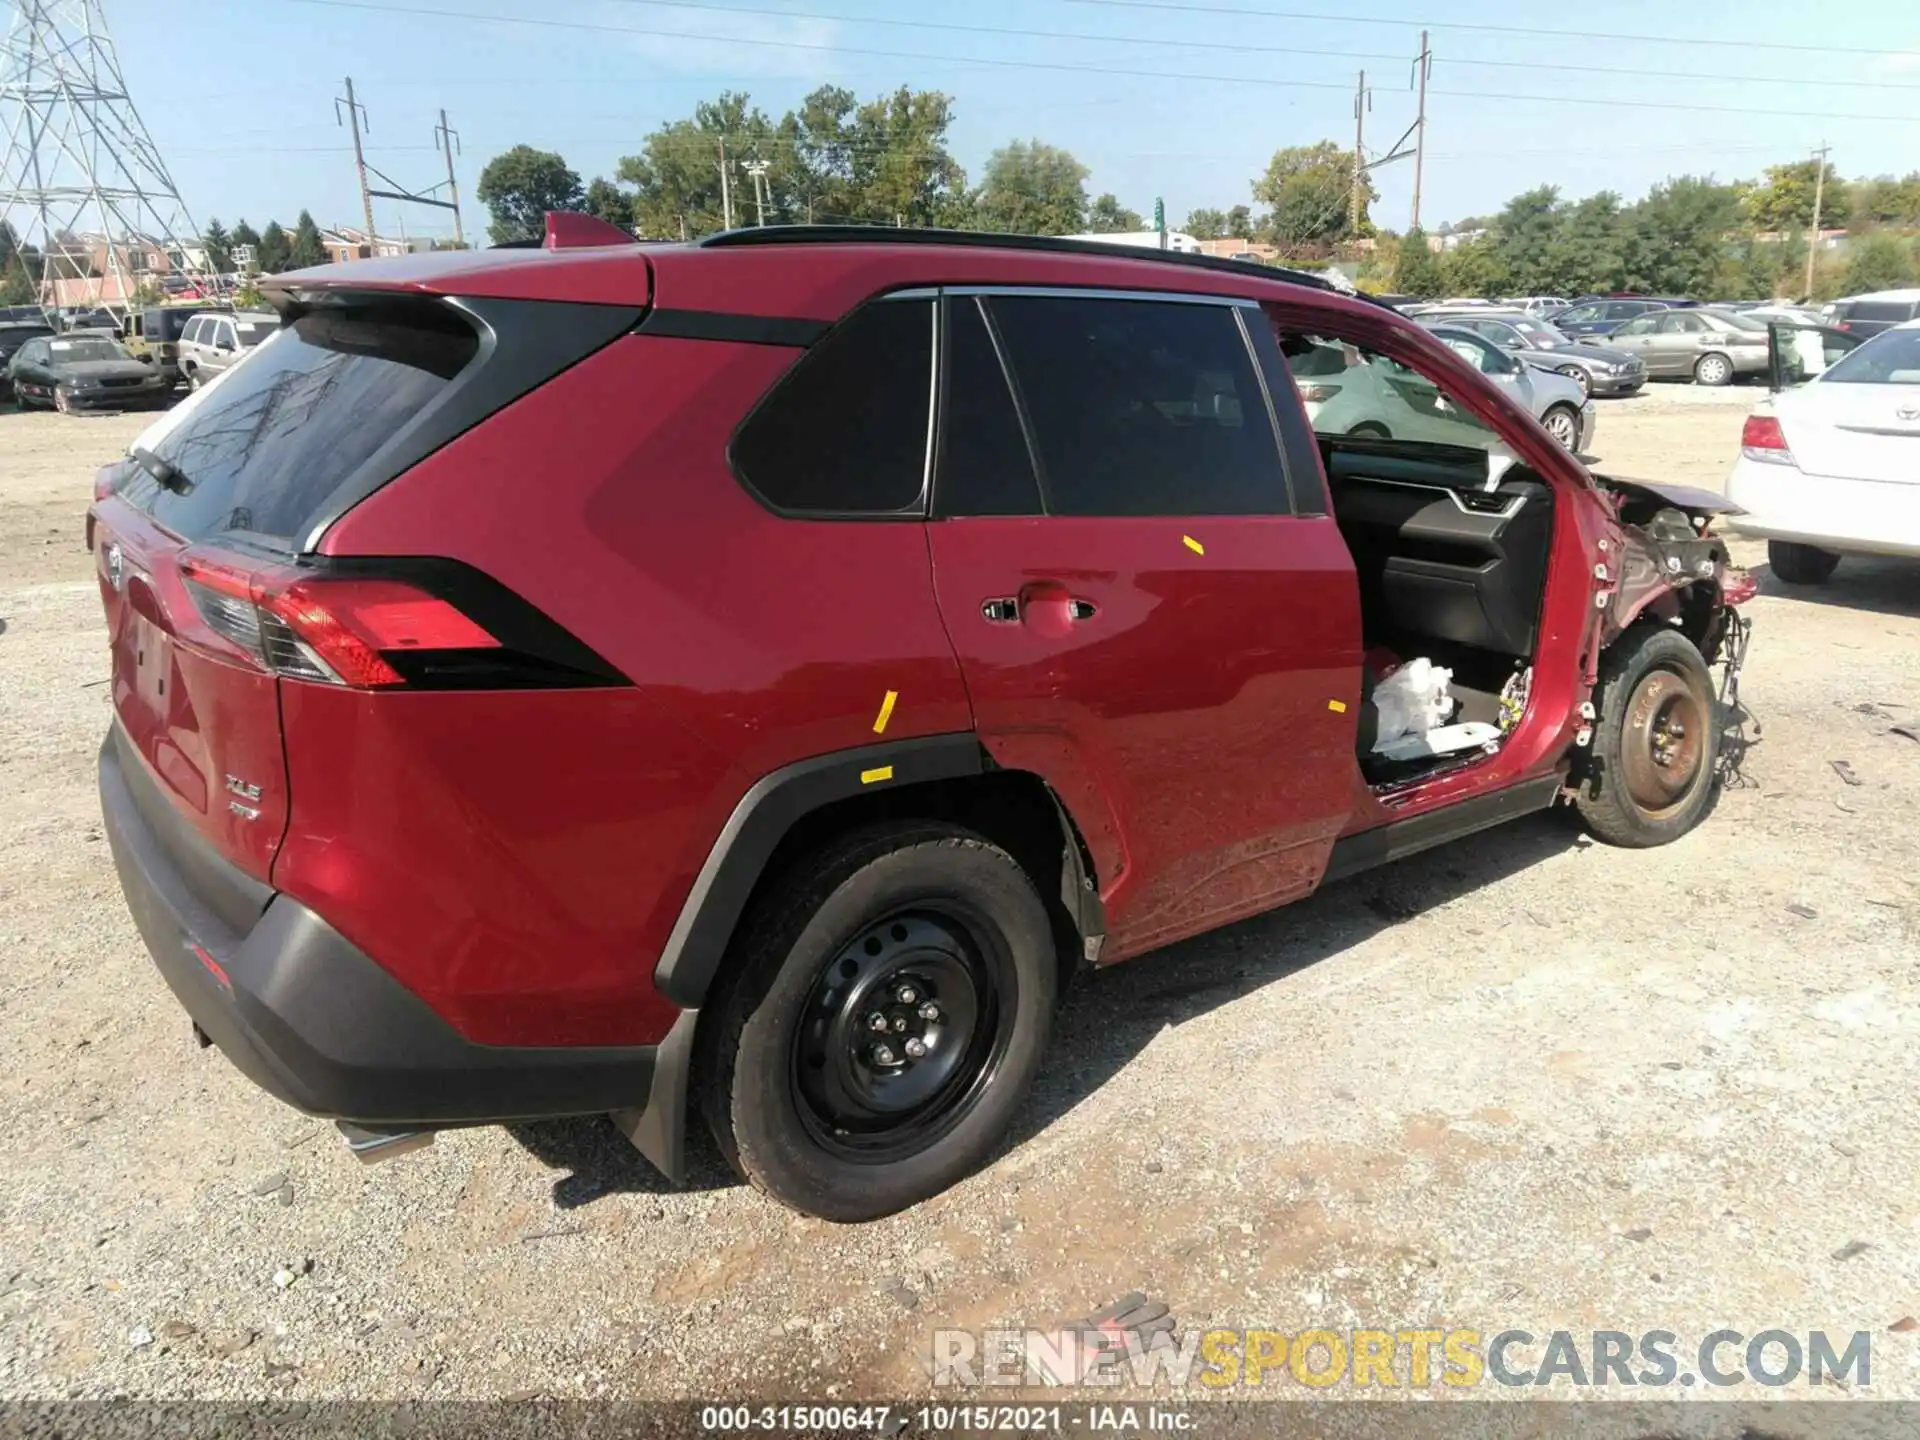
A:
1196	696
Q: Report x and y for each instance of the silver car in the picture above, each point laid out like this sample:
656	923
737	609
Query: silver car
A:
214	341
1596	367
1557	403
1710	345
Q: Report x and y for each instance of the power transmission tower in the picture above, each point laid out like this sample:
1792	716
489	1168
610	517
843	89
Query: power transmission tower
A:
1423	67
758	170
78	153
356	118
1362	102
1819	193
449	141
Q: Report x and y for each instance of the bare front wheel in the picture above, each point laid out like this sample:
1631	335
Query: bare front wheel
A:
1564	425
1648	775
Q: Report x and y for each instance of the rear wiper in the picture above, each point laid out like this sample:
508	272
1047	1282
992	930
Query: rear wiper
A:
170	476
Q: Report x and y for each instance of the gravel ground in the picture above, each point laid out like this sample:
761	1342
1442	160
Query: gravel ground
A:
1524	1081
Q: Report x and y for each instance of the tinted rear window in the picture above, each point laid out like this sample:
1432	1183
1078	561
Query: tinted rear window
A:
1894	310
263	449
164	325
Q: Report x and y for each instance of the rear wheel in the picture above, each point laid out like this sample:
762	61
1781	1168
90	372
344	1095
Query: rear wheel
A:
193	378
888	1011
1801	564
1650	774
1563	423
1713	370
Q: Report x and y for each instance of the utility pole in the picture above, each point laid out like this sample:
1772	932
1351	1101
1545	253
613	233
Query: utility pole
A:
356	117
1819	188
726	189
758	170
449	141
1421	66
1360	106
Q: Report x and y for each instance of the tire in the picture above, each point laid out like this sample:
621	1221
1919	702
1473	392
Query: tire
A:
1713	370
1563	423
1655	699
193	381
1579	377
929	928
1370	430
1801	564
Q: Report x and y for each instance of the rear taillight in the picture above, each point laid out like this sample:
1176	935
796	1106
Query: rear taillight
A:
375	632
1762	439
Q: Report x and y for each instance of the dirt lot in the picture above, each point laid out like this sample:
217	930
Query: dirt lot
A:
1526	1081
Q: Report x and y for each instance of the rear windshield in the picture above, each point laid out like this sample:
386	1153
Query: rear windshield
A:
261	450
1894	310
254	328
1890	358
164	325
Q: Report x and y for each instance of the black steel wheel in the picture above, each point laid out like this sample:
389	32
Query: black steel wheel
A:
884	1011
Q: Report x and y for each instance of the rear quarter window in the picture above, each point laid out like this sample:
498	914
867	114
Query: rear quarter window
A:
1895	311
263	450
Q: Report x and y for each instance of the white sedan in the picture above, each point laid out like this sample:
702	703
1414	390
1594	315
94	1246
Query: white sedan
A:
1833	468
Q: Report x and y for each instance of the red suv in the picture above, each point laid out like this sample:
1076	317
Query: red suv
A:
751	677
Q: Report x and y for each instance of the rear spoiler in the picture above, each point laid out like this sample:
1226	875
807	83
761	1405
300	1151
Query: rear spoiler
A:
572	230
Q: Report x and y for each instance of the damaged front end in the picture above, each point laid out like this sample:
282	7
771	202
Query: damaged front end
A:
1671	566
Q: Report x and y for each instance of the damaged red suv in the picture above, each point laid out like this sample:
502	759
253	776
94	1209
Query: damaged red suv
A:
749	678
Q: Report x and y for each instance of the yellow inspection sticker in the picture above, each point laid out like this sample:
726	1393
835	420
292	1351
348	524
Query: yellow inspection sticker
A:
886	712
870	777
1194	545
1338	707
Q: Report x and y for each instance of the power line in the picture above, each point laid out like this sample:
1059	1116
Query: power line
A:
1555	34
1240	47
1062	67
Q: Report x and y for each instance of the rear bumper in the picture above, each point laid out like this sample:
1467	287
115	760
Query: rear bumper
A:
1851	517
310	1018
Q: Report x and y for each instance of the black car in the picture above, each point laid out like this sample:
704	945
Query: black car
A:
83	372
13	335
1864	316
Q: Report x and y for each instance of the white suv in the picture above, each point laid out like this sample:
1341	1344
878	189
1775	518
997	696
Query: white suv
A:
211	343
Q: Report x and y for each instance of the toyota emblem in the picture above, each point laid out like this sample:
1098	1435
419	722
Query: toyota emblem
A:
116	568
1908	412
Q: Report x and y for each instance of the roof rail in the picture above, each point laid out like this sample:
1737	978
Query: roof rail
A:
984	240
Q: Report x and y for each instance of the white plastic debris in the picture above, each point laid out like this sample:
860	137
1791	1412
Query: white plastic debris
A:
1441	740
1411	701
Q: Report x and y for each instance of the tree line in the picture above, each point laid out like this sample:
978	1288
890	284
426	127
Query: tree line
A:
275	249
1692	235
836	159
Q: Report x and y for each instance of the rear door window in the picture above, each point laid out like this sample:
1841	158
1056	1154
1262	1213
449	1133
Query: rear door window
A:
847	430
261	451
984	467
1141	407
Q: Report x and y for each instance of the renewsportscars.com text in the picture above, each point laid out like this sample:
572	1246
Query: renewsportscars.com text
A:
1319	1359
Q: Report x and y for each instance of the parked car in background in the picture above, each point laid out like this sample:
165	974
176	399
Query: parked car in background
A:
1558	403
1596	369
1536	304
1600	317
153	334
14	334
211	343
1712	347
1770	310
1868	315
829	754
1832	468
89	371
87	317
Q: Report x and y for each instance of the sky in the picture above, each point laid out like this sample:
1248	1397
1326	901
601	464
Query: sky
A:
1180	99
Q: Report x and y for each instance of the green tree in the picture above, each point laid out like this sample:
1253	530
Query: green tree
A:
275	249
676	175
1417	269
1472	268
1031	188
307	248
1206	224
902	171
1308	191
607	201
1784	199
1887	201
1107	216
1240	222
1523	235
1674	240
1879	261
519	186
16	286
218	243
